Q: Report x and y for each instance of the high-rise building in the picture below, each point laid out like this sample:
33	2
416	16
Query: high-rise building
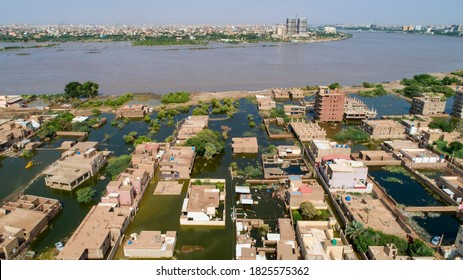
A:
302	26
291	26
329	105
457	110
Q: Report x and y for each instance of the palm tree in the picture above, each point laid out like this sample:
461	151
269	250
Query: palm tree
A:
354	229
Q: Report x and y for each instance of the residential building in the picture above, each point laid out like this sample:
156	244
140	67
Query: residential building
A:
191	126
428	105
317	241
300	191
383	129
457	109
329	30
265	103
368	155
75	166
132	111
245	242
286	241
289	151
22	220
355	109
245	145
177	162
421	156
280	93
396	145
12	132
146	156
307	131
383	253
296	93
127	189
151	244
342	174
202	202
294	110
322	148
453	186
99	234
10	101
329	105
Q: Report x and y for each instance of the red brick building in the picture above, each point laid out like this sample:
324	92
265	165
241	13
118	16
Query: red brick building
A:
329	105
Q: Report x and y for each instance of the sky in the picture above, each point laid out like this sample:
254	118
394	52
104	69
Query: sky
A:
119	12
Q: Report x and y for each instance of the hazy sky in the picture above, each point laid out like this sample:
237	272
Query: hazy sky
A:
230	11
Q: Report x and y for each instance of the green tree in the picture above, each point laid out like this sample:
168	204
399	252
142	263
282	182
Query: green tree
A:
334	86
118	164
85	195
234	165
89	89
454	146
207	143
418	248
296	215
72	90
308	210
354	229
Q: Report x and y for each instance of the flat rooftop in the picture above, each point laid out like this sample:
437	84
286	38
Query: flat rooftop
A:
202	197
418	153
153	240
244	142
382	123
168	188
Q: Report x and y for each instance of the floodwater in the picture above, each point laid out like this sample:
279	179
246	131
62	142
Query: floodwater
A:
118	67
408	192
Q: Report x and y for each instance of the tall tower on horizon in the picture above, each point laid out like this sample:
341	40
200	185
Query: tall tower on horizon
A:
302	25
291	26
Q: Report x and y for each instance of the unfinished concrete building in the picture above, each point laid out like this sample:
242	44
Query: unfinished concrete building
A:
75	166
307	131
191	126
430	104
265	103
132	111
245	145
383	129
355	109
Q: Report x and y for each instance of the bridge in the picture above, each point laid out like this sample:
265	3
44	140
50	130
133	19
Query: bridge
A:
431	209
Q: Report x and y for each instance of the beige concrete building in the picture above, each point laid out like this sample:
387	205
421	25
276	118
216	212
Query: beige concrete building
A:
428	105
12	132
342	174
280	93
317	241
75	166
421	156
383	129
191	126
245	145
323	148
355	109
382	253
286	242
307	131
146	156
265	103
375	156
10	101
151	244
294	110
289	151
201	204
452	186
177	162
301	191
132	111
22	220
99	235
296	93
396	145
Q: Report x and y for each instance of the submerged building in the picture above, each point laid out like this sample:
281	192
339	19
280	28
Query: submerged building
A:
329	105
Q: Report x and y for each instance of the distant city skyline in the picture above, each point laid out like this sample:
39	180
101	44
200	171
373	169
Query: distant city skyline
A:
118	12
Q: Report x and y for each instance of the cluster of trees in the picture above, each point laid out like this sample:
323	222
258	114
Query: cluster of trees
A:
307	211
201	110
165	40
112	101
133	138
62	122
224	107
252	123
176	97
377	90
443	124
427	83
455	148
362	238
250	172
207	143
353	134
334	86
458	73
118	164
78	90
85	195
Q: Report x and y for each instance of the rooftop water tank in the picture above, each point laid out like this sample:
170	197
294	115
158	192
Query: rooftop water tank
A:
347	198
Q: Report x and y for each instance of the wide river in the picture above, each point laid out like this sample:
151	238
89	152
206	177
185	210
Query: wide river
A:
118	67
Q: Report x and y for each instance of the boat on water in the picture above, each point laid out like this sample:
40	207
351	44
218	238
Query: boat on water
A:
435	240
59	246
29	164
